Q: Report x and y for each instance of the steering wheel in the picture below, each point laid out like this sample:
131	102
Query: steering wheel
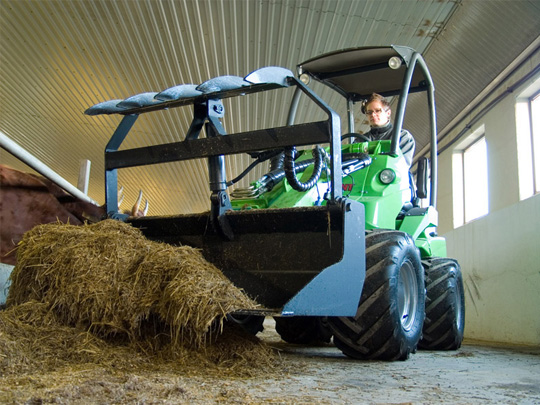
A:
355	135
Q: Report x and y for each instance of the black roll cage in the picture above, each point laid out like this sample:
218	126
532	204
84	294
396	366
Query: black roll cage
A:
328	67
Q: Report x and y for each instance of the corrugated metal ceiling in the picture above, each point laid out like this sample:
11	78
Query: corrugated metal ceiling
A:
60	57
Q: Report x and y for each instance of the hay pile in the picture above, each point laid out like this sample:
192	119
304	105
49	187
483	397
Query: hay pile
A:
104	294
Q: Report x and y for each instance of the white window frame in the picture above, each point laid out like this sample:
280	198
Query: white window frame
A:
461	197
528	140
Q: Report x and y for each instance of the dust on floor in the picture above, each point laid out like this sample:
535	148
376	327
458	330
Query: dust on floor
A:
475	374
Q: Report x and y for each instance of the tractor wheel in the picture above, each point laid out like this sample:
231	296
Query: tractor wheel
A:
388	323
252	324
303	329
445	305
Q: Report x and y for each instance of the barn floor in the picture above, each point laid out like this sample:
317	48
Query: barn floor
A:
476	374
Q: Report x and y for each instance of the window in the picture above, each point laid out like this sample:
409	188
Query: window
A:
528	140
470	179
535	138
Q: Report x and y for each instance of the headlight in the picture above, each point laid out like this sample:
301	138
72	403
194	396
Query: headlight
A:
304	78
387	176
394	62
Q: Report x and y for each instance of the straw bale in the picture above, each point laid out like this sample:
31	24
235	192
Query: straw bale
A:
108	278
98	313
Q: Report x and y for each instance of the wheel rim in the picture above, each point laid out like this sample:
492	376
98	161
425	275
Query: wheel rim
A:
407	295
459	298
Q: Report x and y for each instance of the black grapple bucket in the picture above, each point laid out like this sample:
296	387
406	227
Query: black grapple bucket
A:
292	261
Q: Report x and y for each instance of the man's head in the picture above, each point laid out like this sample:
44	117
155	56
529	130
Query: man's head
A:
377	110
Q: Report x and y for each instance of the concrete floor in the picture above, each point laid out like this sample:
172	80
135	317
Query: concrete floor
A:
478	373
475	374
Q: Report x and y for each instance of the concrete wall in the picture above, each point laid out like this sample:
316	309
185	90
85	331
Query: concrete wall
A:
500	258
500	252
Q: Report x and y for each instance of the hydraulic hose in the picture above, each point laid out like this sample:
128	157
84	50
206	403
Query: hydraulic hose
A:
270	179
277	162
290	169
350	163
259	157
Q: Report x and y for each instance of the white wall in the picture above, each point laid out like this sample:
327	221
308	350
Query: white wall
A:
500	259
500	252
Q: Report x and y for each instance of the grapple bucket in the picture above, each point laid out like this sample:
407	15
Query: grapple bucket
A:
293	261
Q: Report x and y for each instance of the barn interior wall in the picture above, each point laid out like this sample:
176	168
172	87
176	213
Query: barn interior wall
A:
498	252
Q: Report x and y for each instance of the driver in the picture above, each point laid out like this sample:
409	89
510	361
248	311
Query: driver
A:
378	111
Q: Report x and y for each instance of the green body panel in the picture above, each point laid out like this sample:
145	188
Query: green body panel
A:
431	246
415	225
422	227
383	203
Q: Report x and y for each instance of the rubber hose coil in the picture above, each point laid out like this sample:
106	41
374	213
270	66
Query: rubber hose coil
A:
290	169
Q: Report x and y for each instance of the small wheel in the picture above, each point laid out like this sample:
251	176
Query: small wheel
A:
445	305
388	323
303	329
355	136
252	324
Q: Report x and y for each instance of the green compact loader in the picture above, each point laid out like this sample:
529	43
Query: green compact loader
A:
338	240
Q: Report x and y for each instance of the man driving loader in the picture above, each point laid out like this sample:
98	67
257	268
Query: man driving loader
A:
378	111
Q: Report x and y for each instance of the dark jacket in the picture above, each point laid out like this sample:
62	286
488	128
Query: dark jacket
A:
406	140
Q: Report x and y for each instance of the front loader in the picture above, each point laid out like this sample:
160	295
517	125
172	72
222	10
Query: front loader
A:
333	240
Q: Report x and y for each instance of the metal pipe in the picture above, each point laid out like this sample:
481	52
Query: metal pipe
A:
415	59
84	176
40	167
350	115
433	129
402	102
434	155
486	109
294	106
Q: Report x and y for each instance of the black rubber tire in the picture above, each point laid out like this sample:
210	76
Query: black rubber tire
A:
306	330
252	324
388	323
445	305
